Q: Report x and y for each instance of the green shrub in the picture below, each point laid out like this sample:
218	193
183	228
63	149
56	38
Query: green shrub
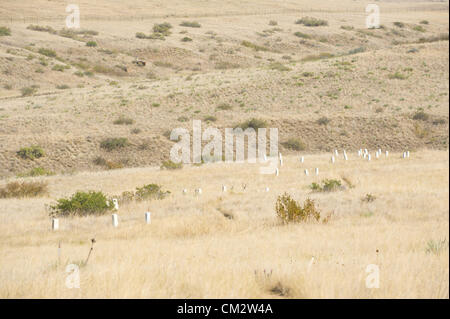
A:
224	107
37	171
47	52
81	204
210	118
27	91
424	22
60	67
302	35
294	144
327	185
23	189
419	28
150	191
186	39
162	28
323	120
397	76
171	165
141	35
113	143
253	123
288	210
190	24
41	28
122	120
311	22
91	44
347	27
399	24
278	66
273	23
5	31
368	198
421	116
31	152
357	50
436	247
323	55
63	87
253	46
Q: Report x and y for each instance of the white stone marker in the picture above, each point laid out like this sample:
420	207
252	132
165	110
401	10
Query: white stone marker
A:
387	153
404	154
317	171
116	204
148	218
115	220
379	151
359	153
332	159
267	189
369	157
265	158
198	191
224	188
407	154
302	159
306	172
377	155
277	172
55	224
336	152
184	191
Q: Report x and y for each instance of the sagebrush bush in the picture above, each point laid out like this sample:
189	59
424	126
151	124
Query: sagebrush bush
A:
190	24
91	44
323	120
302	35
421	116
327	185
23	189
31	152
47	52
123	120
288	210
311	22
113	143
171	165
27	91
294	144
253	123
162	28
81	204
37	171
5	31
253	46
150	191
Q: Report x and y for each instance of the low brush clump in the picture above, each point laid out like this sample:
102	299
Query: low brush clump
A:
253	123
37	171
23	189
294	144
146	192
81	204
171	165
190	24
114	143
31	152
288	210
4	31
327	185
311	22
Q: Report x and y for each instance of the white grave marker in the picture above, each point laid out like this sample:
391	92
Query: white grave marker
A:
116	204
55	224
148	218
317	171
115	220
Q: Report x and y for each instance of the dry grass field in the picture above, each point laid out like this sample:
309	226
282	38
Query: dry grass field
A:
335	86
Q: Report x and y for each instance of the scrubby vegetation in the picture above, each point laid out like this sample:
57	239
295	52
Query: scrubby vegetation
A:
288	210
31	152
123	120
253	123
171	165
37	171
311	22
23	189
47	52
5	31
81	204
114	143
327	185
190	24
294	144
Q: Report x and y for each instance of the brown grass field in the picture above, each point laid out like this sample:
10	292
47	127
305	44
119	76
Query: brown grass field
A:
339	86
